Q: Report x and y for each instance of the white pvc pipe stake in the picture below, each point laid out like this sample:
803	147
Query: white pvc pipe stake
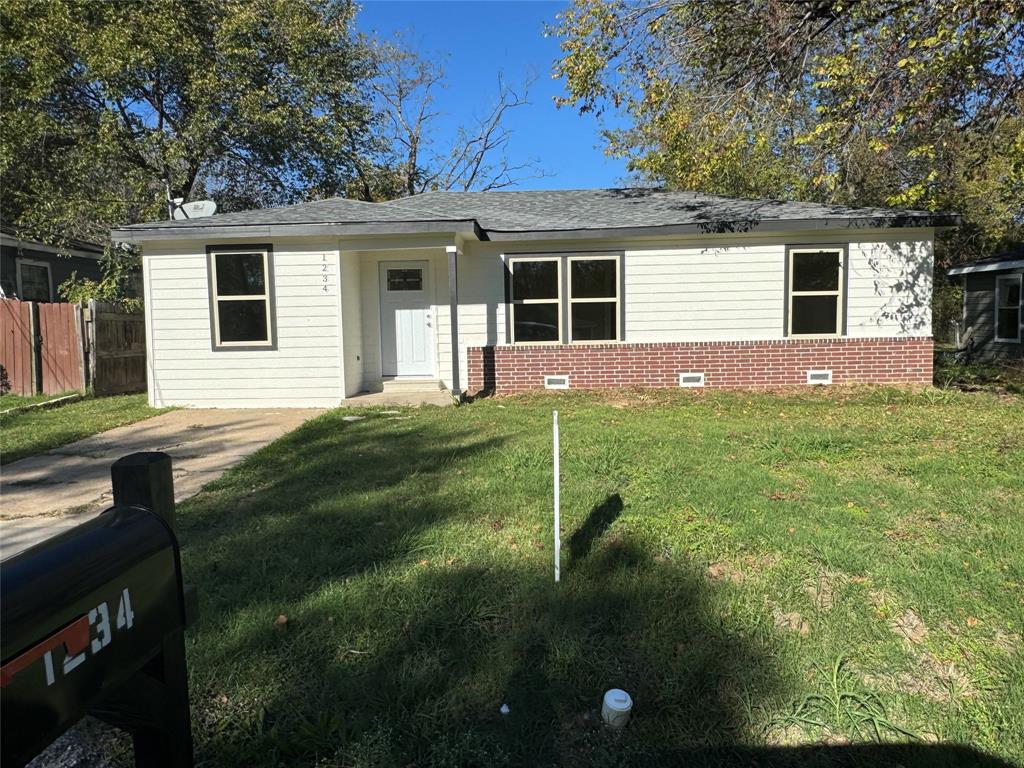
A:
558	541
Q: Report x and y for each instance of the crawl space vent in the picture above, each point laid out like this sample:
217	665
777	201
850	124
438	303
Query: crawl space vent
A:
691	379
819	377
556	382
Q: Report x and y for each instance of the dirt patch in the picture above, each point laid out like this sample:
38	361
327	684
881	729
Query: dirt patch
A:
780	495
932	678
791	621
822	590
910	626
1008	642
723	571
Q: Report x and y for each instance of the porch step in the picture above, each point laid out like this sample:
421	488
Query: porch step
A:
396	385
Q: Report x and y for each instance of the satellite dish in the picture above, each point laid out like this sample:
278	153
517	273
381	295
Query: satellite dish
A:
195	210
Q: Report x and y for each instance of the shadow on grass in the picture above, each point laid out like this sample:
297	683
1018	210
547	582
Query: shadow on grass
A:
598	521
411	621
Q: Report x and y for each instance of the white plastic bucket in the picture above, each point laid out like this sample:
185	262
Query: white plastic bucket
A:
616	708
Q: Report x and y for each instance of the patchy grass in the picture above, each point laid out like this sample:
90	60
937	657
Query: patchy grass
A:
842	568
31	432
11	400
999	377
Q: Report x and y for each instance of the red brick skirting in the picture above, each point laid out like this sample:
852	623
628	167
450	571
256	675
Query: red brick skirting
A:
738	365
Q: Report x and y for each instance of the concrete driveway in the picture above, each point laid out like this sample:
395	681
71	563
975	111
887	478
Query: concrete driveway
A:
44	494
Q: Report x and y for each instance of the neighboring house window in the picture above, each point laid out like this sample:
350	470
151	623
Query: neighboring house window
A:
34	281
594	298
815	292
1008	308
242	314
536	300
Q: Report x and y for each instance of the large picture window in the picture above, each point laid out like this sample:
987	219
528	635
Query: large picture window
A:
815	292
241	298
565	298
1008	308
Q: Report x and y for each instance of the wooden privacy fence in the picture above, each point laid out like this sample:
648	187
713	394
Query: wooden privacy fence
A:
116	345
53	348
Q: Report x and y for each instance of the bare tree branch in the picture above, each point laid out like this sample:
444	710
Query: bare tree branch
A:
475	159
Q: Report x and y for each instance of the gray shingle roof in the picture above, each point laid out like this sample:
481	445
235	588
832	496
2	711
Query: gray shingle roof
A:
515	214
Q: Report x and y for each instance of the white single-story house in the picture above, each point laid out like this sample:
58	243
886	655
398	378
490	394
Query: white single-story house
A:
310	304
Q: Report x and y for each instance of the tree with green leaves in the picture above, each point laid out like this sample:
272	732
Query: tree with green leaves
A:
910	103
108	107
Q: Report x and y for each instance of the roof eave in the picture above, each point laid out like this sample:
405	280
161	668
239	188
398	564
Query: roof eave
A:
994	266
738	226
141	233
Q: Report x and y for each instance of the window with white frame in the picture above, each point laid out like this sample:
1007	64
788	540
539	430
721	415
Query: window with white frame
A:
34	281
241	298
536	297
593	298
815	301
1009	304
565	298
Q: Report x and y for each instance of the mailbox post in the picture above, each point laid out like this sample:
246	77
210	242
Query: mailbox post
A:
93	622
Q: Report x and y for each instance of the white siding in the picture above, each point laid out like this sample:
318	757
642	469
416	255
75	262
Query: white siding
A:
352	322
890	288
303	371
481	303
704	293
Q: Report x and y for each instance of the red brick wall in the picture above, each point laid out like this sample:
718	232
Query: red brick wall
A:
742	365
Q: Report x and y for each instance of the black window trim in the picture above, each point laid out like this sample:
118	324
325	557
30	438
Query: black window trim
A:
844	292
565	331
211	252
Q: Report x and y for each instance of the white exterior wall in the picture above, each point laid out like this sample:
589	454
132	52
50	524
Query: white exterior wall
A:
728	288
352	322
184	369
890	288
706	292
481	301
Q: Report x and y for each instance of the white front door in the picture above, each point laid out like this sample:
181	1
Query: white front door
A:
406	322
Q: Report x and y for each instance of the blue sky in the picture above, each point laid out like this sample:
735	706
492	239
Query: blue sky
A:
478	39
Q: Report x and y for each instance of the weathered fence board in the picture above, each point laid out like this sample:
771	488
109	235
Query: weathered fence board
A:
16	345
60	348
117	349
53	348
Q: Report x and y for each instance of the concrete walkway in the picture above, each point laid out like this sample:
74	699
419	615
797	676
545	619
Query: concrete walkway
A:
42	495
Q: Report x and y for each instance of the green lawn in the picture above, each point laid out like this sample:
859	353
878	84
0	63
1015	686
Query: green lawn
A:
12	400
759	571
31	432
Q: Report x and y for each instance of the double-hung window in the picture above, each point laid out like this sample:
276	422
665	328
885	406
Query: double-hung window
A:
815	300
1009	304
536	300
565	298
241	301
594	298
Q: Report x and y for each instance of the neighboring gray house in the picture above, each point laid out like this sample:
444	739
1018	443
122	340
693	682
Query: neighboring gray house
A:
32	271
310	304
994	305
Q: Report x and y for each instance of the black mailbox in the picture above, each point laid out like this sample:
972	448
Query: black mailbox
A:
93	622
